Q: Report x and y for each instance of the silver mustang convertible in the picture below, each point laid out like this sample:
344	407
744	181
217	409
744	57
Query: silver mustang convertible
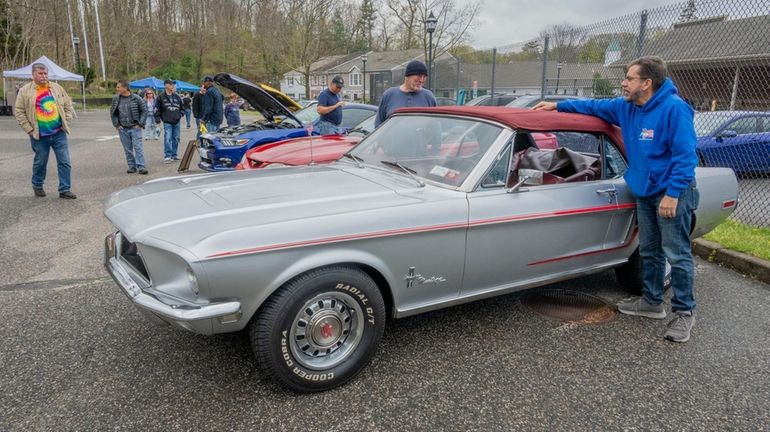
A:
438	206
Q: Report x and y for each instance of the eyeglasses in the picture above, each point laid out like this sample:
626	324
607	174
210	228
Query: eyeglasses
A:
628	78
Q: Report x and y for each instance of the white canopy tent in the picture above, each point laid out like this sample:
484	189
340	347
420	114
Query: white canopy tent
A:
55	73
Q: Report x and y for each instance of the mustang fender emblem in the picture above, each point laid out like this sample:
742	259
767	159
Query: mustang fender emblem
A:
411	279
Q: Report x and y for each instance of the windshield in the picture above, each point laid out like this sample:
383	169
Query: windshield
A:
364	128
307	115
524	102
440	149
706	123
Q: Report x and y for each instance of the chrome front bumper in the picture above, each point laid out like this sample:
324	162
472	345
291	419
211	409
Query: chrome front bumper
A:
173	314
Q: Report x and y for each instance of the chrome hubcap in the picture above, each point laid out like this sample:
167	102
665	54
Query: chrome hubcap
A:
326	330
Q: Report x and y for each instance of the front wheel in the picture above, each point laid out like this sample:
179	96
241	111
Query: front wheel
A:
320	329
630	274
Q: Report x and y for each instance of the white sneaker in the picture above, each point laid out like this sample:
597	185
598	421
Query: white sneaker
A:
167	160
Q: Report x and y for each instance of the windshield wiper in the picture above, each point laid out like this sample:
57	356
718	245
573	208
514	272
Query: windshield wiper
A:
408	171
359	162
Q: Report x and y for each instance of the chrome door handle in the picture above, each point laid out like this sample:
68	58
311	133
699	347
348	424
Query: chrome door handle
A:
611	193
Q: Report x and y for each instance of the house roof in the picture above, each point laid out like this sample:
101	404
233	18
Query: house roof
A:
707	40
379	61
324	63
518	73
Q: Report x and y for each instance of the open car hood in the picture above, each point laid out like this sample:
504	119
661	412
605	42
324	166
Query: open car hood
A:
265	101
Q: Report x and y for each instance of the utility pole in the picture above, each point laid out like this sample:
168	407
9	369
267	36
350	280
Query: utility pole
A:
82	7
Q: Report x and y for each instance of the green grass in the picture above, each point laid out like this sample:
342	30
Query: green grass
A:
742	238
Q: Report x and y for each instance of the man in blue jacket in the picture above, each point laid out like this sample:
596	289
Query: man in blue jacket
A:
212	107
659	136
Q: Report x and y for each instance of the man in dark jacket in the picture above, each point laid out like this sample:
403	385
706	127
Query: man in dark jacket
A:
129	114
169	110
187	106
213	108
197	109
660	140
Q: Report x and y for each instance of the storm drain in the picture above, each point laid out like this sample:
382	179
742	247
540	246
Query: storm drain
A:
569	306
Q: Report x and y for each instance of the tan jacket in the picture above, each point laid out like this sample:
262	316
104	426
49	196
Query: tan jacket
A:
24	109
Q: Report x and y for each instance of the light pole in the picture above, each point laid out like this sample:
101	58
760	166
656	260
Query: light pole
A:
430	27
559	65
364	58
76	41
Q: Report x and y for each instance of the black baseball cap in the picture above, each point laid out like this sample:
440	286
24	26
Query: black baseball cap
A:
168	81
338	81
208	78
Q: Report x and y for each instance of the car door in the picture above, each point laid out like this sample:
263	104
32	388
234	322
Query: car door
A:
742	145
542	231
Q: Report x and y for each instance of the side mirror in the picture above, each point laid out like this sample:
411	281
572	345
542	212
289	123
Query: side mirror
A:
527	177
727	133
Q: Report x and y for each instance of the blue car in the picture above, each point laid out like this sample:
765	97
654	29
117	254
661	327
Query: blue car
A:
221	151
734	139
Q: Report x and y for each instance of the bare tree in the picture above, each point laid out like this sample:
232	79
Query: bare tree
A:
565	41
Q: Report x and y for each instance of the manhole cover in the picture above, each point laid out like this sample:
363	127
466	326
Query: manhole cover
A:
569	306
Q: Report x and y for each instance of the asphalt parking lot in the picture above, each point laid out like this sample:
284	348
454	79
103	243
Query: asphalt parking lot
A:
76	355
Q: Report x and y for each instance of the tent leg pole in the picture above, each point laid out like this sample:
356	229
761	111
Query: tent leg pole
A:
83	89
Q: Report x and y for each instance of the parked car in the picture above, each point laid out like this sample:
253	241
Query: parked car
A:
500	99
222	150
528	101
445	101
303	151
434	208
734	139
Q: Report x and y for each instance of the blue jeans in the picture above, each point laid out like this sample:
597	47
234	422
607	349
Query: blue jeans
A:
212	127
326	128
170	139
667	238
151	130
42	148
187	114
131	138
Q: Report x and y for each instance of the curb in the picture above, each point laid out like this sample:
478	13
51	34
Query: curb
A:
742	263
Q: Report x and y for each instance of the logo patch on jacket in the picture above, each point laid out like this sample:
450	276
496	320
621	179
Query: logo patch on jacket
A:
647	134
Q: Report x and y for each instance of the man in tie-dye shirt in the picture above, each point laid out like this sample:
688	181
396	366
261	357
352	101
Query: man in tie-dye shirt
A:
44	110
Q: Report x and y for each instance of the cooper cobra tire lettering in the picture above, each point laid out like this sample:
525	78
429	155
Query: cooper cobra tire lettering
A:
320	329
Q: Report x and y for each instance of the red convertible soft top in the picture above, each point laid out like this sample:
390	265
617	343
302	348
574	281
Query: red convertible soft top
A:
527	119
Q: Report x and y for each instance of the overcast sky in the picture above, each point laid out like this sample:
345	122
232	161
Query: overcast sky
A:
504	22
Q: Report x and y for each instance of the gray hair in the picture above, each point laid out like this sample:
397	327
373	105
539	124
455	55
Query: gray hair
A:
38	66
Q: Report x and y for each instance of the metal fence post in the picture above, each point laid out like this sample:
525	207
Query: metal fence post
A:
642	34
494	65
545	67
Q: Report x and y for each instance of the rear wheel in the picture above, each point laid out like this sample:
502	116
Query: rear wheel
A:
319	330
630	274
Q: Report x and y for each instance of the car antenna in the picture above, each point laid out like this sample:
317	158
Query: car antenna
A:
309	129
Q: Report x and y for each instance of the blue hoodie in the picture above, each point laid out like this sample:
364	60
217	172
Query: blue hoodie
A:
659	138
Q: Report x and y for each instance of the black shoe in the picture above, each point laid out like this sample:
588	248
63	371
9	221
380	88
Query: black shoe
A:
143	171
67	195
39	192
130	170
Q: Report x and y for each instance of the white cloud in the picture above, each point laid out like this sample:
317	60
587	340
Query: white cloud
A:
505	22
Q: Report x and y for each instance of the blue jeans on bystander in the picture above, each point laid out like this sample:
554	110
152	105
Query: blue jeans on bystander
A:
42	148
667	238
171	139
131	138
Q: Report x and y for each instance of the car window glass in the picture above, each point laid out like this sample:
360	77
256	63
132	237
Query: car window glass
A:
614	165
744	125
354	116
441	149
499	172
580	142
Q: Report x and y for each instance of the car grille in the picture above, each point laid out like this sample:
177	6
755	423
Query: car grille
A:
130	254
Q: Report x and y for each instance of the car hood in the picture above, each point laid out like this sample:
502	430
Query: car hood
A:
298	150
186	211
264	101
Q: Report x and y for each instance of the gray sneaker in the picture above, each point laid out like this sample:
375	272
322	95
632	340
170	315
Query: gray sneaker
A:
638	306
678	330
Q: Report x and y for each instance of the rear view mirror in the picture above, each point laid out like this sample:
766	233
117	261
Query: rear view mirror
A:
531	177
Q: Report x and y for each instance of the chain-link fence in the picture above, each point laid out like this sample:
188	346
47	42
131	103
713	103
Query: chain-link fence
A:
718	55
